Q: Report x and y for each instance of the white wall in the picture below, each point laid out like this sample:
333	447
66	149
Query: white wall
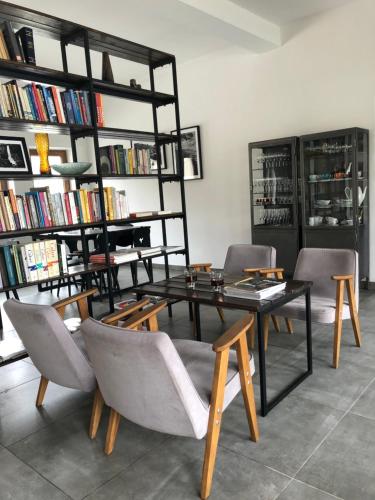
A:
321	79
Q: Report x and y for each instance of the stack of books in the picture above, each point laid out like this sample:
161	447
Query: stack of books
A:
48	104
40	260
38	208
144	252
255	288
116	204
121	161
17	46
115	258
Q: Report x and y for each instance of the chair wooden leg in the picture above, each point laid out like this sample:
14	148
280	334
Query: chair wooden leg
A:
41	391
114	421
266	329
354	313
289	325
221	313
338	323
275	322
96	414
252	337
247	387
214	421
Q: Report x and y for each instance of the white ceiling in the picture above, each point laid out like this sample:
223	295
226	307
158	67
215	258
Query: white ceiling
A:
188	28
285	11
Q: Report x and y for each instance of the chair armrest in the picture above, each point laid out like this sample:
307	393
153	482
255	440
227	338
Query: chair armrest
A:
252	270
148	316
342	277
123	313
271	270
206	266
80	298
232	335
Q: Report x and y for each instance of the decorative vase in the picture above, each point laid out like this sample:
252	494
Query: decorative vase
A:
42	146
107	74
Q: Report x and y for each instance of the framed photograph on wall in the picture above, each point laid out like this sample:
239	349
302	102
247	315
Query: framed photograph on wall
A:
153	158
191	153
14	157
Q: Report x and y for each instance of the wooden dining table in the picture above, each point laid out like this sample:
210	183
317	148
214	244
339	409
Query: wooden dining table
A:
175	289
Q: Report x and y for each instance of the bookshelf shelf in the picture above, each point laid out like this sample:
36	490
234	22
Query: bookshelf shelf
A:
78	270
17	124
126	92
70	33
28	72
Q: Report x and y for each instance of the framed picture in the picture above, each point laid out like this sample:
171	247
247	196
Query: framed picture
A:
154	161
14	157
191	153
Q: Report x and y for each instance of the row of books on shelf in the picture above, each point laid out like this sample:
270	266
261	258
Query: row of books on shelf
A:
17	46
132	254
39	208
139	159
35	261
48	104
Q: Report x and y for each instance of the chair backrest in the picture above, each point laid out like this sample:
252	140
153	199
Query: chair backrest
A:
50	345
319	264
245	255
142	377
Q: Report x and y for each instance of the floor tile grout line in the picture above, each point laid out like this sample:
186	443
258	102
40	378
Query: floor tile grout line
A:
40	475
129	465
335	426
19	385
43	427
318	489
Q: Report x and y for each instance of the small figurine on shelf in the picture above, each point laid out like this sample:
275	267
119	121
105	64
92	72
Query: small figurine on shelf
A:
107	74
42	146
134	84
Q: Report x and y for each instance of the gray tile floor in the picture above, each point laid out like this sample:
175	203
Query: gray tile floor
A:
318	444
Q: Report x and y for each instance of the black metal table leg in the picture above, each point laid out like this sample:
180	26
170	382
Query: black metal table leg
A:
197	321
262	366
191	314
290	387
308	332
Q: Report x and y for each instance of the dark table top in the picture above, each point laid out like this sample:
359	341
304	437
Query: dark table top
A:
175	288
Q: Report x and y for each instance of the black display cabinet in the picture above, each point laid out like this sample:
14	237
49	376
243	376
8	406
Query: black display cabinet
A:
335	198
274	198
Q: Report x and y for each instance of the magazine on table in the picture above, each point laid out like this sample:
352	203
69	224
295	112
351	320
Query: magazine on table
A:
255	288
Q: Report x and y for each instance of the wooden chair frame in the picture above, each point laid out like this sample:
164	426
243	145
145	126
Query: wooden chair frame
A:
270	272
235	336
81	300
343	280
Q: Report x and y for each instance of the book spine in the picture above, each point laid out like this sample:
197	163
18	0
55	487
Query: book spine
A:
42	103
99	109
17	268
13	203
43	257
38	260
73	207
76	110
58	104
68	107
9	266
52	258
67	208
50	104
37	101
11	41
63	260
65	214
27	42
87	106
9	212
25	264
31	264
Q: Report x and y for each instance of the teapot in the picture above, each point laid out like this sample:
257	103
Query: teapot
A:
361	194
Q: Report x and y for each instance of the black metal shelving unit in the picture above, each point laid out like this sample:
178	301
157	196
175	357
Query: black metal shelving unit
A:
274	198
335	198
69	33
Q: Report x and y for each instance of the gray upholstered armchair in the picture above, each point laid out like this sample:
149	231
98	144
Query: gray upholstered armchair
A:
330	270
60	356
250	259
179	387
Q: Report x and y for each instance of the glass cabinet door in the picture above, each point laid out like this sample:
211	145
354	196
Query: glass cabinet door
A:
362	178
330	177
272	186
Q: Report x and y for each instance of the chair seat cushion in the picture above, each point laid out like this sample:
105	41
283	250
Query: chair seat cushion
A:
199	361
323	310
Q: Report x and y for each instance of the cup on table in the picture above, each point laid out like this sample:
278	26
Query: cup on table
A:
217	280
190	277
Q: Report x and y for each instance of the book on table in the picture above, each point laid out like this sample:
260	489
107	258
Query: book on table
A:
255	288
117	257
